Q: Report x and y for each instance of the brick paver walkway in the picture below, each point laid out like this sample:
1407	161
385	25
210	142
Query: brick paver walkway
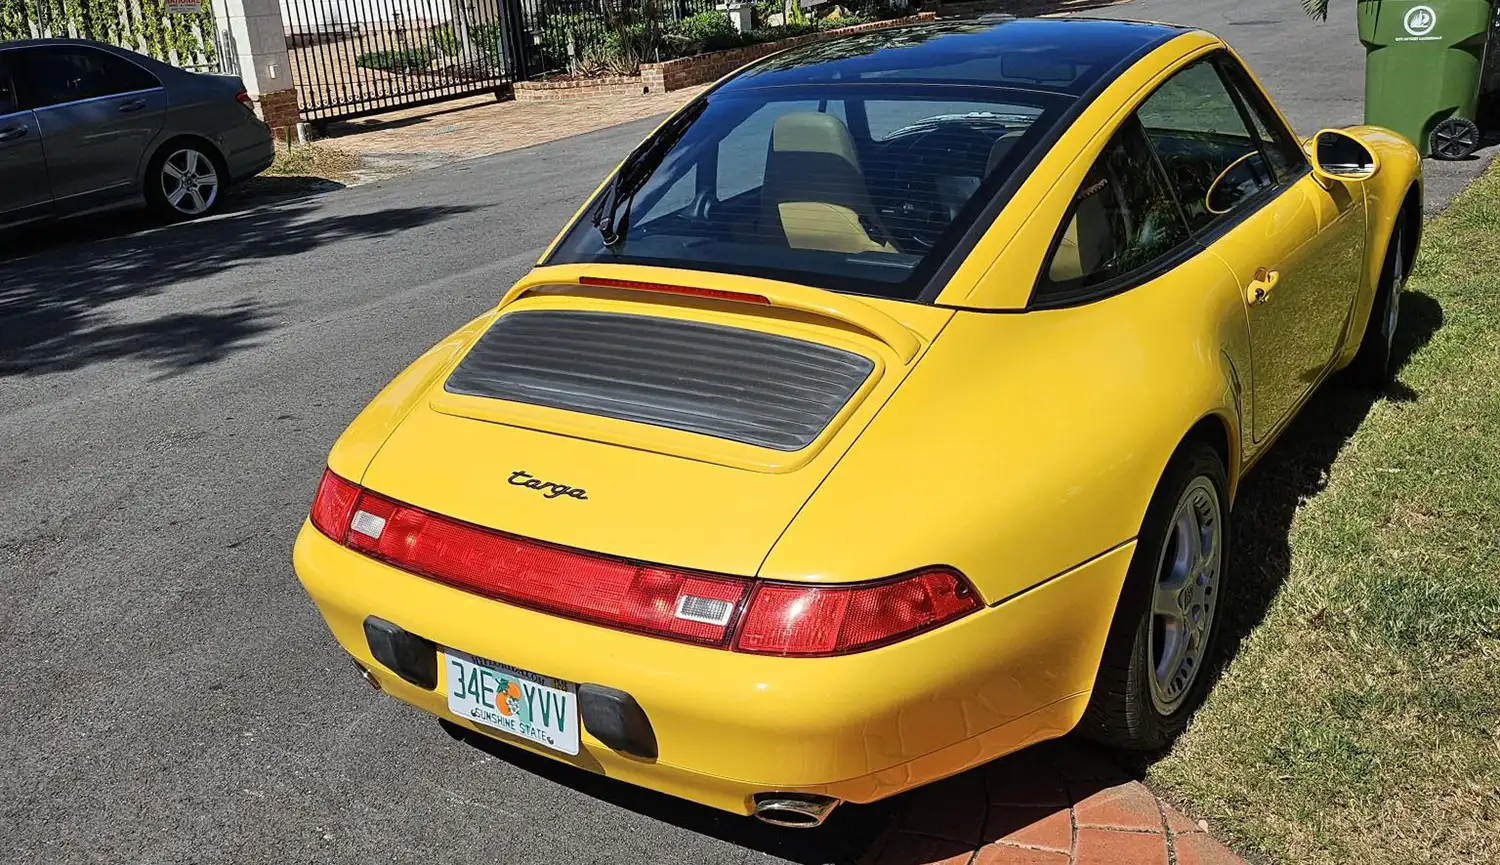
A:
1059	803
478	126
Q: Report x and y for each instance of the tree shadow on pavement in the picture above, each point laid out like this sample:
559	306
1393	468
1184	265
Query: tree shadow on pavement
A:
53	302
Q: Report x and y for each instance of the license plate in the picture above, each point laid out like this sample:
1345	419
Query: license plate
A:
537	708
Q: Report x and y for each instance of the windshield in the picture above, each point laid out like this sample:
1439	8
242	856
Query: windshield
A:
857	187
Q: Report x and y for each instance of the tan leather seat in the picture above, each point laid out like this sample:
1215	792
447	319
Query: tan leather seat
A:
1088	241
814	193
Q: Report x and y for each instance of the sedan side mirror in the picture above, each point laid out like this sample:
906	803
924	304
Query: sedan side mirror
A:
1338	156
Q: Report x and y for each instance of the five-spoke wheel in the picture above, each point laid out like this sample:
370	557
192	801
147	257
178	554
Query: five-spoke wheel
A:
183	182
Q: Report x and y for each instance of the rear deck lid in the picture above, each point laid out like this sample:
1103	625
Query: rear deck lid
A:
658	427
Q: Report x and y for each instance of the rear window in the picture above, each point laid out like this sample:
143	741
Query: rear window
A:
858	187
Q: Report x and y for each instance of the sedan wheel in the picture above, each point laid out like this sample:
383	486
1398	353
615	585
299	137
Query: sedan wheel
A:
189	182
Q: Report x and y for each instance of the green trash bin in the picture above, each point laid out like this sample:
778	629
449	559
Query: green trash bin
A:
1423	64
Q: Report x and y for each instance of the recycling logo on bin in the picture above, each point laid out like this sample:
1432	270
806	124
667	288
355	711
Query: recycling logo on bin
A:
1420	20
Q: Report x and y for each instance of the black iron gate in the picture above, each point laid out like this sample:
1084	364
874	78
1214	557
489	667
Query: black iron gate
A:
354	57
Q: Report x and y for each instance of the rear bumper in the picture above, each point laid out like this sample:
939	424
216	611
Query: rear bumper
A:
729	725
248	150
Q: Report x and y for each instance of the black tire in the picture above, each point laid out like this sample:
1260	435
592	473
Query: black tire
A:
1373	365
160	188
1126	709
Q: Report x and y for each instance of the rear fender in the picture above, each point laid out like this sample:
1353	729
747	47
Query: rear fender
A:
356	448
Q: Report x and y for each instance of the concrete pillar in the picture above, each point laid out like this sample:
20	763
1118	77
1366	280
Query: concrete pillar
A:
253	38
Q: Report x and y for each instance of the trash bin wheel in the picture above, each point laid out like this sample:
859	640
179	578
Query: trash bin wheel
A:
1454	138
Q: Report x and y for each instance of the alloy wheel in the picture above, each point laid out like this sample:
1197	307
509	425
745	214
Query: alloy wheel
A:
190	182
1186	593
1398	283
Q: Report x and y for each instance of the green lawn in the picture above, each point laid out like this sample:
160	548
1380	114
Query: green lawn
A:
1359	717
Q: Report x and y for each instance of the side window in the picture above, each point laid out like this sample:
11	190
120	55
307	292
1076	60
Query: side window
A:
1122	219
1209	153
1278	143
8	102
69	73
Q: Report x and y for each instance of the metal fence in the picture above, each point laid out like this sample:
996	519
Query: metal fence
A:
186	40
593	37
355	57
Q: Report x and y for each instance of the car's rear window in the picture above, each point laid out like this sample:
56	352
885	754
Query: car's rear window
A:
858	187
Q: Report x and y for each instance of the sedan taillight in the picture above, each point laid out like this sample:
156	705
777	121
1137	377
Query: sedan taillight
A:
243	98
707	609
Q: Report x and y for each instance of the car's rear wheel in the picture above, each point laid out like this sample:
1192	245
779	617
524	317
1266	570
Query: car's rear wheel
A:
1373	366
184	181
1154	672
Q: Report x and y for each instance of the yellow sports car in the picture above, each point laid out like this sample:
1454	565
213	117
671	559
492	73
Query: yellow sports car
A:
881	414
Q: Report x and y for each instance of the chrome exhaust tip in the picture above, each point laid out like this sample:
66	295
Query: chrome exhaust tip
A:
365	674
793	810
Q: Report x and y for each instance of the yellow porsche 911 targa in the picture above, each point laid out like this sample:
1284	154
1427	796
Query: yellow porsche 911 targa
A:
879	415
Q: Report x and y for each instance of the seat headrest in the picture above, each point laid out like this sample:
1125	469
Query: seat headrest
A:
1001	149
813	132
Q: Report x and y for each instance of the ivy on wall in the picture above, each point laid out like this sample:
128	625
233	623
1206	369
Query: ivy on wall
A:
140	25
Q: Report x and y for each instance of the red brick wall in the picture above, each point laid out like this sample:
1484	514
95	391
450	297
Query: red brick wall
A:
279	110
578	88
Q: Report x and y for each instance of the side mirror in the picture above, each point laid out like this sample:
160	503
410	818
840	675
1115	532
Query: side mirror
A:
1338	156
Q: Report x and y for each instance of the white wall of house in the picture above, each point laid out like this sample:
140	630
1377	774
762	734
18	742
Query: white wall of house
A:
315	16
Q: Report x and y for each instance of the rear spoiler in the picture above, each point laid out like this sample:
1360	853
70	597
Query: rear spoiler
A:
824	304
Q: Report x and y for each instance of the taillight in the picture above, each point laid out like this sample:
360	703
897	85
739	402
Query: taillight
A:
243	98
781	619
836	620
333	505
683	605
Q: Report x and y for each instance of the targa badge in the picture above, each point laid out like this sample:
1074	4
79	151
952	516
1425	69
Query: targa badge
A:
1420	20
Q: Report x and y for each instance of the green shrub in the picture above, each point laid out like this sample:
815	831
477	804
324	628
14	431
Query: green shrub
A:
488	39
706	31
408	60
444	40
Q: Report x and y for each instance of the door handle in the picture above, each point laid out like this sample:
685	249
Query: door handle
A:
132	105
12	133
1260	288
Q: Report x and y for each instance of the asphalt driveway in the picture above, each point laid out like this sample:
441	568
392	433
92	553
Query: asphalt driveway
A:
166	402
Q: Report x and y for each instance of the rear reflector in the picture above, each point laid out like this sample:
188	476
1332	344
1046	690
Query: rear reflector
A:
664	288
777	618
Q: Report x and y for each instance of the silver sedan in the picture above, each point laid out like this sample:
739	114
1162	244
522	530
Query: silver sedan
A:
86	126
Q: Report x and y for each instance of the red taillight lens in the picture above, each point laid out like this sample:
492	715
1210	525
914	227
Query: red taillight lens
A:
334	505
243	98
682	605
834	620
